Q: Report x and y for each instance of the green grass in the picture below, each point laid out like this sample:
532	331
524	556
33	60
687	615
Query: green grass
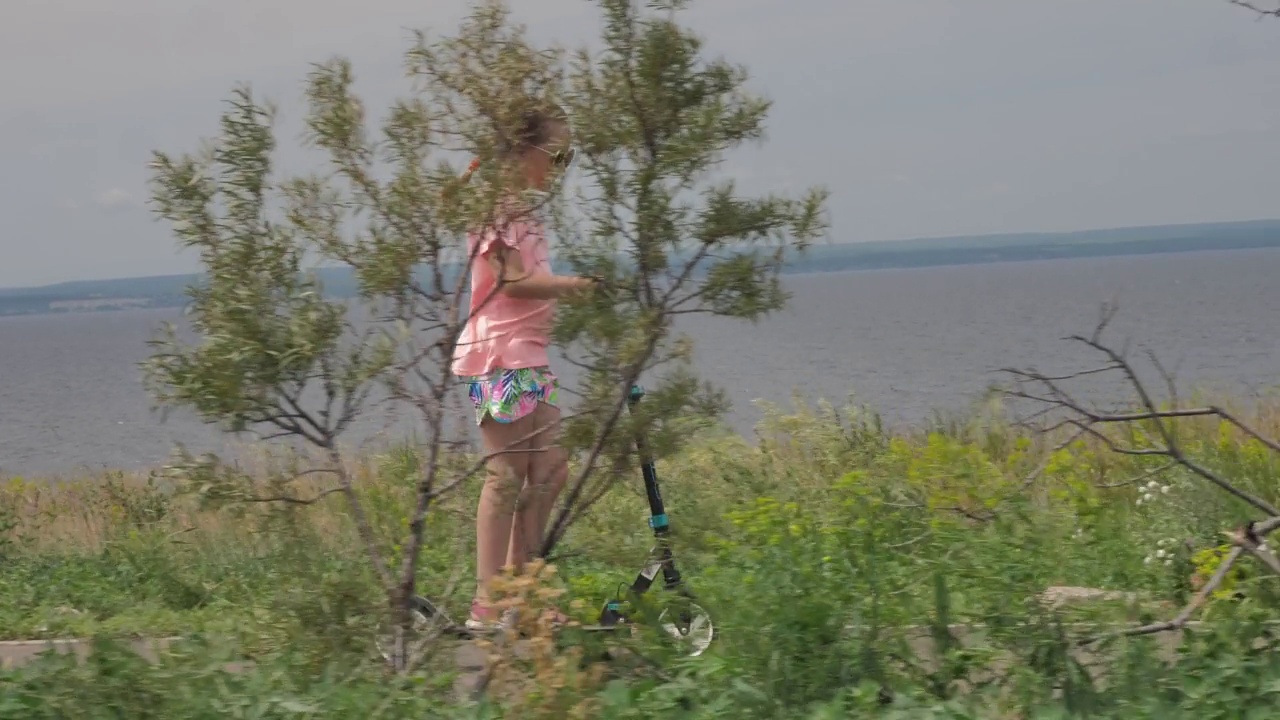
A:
819	550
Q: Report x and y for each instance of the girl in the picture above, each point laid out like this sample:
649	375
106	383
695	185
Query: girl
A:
502	354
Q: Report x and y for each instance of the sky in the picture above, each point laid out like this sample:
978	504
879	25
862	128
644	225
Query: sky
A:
923	118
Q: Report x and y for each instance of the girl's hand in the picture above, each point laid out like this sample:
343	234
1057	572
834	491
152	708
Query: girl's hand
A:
587	286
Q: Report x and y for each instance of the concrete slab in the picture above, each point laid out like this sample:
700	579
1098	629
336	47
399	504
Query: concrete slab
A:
15	653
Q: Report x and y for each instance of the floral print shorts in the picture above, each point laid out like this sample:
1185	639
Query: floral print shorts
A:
508	395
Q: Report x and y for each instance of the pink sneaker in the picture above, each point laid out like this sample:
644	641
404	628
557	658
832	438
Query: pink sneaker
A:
485	619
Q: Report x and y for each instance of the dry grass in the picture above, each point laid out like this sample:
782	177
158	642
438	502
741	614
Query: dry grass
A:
86	513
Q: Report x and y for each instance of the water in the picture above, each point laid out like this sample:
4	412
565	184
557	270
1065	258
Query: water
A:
906	342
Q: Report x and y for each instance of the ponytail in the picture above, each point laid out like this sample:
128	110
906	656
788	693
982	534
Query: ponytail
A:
471	168
450	190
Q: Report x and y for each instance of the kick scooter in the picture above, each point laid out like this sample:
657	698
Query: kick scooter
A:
684	620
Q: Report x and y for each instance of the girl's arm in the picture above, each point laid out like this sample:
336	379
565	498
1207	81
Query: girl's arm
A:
514	281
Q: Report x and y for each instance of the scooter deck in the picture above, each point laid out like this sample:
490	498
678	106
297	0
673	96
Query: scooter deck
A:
468	634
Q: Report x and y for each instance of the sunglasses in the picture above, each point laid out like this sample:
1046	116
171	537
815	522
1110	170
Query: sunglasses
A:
561	158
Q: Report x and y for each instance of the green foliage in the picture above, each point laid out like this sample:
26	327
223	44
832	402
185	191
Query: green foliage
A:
199	680
266	331
827	582
655	119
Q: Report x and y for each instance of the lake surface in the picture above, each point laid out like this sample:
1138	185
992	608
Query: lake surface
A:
904	342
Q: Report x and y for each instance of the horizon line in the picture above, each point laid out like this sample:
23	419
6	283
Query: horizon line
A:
919	238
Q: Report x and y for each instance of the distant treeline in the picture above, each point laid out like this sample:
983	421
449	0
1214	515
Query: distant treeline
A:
1043	246
170	290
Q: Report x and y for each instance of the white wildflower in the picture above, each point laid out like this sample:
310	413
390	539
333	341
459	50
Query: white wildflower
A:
1146	560
1165	490
1160	553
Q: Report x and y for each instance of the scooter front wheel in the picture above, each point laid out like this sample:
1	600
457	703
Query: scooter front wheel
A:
690	626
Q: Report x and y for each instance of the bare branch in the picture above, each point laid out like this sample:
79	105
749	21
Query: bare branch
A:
363	528
563	519
1086	419
291	500
1139	478
1044	464
1109	367
1046	391
1246	429
514	447
1182	618
1248	538
1116	418
1262	12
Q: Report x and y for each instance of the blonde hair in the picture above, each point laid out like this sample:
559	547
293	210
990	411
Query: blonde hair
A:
534	129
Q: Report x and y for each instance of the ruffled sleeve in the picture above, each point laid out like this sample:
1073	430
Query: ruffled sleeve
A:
510	234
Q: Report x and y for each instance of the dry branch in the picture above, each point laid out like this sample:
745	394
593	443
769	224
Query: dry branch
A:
1262	12
1051	394
1182	618
1139	478
1249	539
1048	392
291	500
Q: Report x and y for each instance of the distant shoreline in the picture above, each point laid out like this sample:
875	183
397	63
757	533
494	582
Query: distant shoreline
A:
169	291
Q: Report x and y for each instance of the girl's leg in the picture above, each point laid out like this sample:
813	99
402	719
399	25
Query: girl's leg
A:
505	473
548	469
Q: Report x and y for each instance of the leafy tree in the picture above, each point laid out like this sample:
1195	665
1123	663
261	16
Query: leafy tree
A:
654	120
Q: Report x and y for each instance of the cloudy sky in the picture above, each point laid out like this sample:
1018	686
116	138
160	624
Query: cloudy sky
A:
923	117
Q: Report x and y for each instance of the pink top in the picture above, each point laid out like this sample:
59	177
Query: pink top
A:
504	332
